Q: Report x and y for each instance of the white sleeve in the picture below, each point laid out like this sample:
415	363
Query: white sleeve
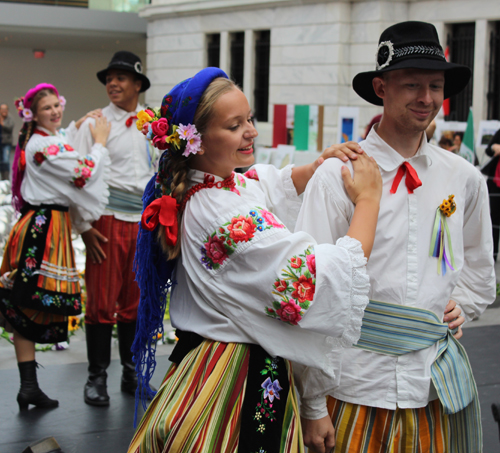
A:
280	192
476	288
56	167
82	139
325	214
297	299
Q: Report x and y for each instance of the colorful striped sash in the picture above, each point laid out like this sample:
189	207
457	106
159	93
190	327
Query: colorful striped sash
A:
396	330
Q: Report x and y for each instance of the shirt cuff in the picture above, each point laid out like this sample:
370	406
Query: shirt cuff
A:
313	408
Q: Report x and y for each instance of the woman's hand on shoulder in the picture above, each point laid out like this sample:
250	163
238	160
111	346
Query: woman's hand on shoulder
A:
343	151
97	113
367	181
101	130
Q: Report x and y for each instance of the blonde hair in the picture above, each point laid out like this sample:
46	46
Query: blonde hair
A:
177	165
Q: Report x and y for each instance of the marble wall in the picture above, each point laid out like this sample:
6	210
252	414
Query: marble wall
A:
317	47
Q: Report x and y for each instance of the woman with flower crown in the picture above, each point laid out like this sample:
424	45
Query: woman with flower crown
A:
39	283
248	295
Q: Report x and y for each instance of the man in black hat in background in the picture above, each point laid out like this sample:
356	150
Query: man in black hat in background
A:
432	254
112	293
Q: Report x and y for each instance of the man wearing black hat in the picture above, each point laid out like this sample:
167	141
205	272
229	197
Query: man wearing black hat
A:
112	293
407	385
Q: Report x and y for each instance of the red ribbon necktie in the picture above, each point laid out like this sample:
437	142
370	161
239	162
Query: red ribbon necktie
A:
162	210
412	182
130	121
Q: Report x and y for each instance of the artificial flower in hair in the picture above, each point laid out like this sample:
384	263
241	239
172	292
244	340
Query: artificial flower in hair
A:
164	135
62	101
27	115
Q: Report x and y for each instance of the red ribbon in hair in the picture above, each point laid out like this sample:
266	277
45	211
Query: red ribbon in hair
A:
163	210
412	182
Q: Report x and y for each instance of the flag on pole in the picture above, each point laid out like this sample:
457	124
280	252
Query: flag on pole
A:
446	102
467	146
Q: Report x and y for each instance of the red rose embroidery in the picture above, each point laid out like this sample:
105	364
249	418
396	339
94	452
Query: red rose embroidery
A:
68	148
39	157
90	163
160	127
252	174
241	229
304	289
289	312
30	262
216	250
296	262
79	182
281	285
311	263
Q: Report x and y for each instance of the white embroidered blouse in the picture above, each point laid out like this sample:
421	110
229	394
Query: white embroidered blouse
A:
245	277
57	174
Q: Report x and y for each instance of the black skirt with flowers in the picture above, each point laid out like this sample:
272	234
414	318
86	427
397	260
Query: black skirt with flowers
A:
39	282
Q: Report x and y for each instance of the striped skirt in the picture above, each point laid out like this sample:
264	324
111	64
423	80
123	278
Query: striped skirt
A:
375	430
39	283
223	397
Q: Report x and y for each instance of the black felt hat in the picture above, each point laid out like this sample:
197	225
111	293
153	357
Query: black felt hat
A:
411	45
126	61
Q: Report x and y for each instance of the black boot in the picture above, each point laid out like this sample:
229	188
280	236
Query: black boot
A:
126	335
30	393
99	356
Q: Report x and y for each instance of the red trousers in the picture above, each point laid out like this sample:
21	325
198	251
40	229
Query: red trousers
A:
112	292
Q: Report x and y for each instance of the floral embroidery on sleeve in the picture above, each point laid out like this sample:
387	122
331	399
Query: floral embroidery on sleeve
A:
51	150
83	172
223	242
295	289
252	174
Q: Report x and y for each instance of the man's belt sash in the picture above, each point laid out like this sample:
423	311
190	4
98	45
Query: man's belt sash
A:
125	202
396	330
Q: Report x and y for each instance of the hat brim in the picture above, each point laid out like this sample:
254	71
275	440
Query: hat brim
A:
101	75
456	77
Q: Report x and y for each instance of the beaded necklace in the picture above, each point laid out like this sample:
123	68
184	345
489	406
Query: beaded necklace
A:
208	183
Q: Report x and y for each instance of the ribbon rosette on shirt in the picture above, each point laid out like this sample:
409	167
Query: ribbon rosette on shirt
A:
164	211
441	236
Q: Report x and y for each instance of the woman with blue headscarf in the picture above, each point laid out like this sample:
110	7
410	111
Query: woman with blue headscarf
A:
248	295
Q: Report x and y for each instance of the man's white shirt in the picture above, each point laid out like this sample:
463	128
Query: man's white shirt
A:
132	157
400	268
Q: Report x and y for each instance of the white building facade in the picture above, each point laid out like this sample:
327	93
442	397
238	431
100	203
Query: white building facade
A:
316	47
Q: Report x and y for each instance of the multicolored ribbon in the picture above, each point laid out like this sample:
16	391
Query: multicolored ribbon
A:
441	235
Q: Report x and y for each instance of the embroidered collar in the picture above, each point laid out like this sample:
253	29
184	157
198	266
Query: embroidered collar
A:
43	132
209	182
388	158
120	114
197	176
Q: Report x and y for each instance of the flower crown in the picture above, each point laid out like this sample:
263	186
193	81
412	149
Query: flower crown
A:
26	114
162	135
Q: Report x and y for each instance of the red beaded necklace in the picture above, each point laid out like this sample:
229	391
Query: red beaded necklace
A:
208	183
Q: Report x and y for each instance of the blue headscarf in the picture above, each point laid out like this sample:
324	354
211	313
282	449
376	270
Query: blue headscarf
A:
152	269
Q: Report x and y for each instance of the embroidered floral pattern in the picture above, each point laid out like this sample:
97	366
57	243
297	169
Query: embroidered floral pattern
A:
57	300
240	180
51	150
270	389
83	172
295	289
30	262
252	174
223	242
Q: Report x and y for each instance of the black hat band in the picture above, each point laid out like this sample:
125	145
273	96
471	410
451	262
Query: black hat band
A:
137	65
387	53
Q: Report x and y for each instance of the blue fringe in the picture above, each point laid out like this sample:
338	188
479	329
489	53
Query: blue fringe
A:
153	273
